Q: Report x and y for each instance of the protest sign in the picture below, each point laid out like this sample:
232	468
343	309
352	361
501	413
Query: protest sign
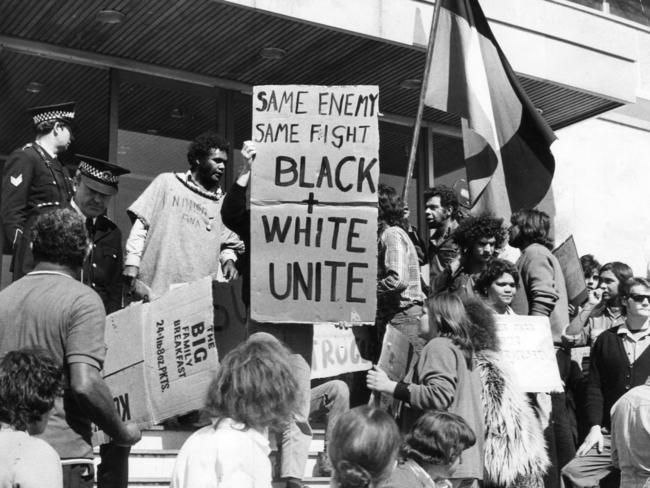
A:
335	352
394	361
161	356
527	346
567	254
395	352
314	204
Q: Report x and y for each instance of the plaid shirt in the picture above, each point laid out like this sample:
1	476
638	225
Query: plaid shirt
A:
398	270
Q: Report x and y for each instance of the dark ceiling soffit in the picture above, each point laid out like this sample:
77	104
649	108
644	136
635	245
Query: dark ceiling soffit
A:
97	60
102	61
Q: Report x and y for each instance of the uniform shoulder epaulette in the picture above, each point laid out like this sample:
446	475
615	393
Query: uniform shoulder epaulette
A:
28	145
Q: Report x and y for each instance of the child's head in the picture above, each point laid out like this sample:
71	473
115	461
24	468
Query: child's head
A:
591	270
363	447
30	380
255	384
437	439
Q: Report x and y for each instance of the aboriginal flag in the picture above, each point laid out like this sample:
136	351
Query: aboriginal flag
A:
506	141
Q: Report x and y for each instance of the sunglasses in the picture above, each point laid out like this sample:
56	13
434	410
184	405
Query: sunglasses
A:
639	298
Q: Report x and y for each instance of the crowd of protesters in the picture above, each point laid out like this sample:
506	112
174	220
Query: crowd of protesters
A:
465	419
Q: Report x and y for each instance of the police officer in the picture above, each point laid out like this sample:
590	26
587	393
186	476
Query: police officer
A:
34	180
95	183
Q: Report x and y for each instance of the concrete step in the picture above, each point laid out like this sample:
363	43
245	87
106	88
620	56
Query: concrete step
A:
160	464
157	438
152	459
148	482
310	482
156	482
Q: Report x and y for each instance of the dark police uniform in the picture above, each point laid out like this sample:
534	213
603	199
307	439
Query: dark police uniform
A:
103	268
32	182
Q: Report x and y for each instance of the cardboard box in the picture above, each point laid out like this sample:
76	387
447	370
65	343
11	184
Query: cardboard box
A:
162	356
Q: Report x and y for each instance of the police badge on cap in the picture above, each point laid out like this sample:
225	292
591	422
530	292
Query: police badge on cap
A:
100	175
62	111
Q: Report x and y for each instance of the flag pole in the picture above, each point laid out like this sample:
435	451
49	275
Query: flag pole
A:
423	90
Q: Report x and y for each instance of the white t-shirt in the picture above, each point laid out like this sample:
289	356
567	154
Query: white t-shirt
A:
28	462
230	456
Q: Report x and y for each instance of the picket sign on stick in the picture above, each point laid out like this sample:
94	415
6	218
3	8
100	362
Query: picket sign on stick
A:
314	203
574	277
527	347
336	351
393	360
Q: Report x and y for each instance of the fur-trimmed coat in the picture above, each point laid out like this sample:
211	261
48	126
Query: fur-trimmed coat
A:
515	450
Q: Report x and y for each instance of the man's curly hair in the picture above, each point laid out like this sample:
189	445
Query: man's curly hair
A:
59	236
201	146
448	198
30	380
472	229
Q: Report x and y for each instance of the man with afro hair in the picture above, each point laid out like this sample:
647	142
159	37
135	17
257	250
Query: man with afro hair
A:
478	238
177	234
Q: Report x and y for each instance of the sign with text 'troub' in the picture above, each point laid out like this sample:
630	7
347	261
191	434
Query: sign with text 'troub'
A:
314	203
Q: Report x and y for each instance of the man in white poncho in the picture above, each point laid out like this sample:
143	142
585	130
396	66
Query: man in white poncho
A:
177	234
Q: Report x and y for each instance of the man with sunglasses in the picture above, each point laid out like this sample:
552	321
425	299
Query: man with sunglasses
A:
34	180
177	234
620	360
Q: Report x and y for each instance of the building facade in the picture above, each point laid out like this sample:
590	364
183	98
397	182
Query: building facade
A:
149	75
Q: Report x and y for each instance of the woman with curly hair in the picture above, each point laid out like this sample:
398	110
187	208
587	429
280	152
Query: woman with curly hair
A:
364	446
254	390
497	285
30	381
431	450
479	239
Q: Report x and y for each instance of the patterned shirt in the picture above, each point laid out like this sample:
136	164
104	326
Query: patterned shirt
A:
398	280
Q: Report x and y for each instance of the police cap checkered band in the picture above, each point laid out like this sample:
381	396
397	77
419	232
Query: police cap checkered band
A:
105	176
56	114
62	111
100	175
